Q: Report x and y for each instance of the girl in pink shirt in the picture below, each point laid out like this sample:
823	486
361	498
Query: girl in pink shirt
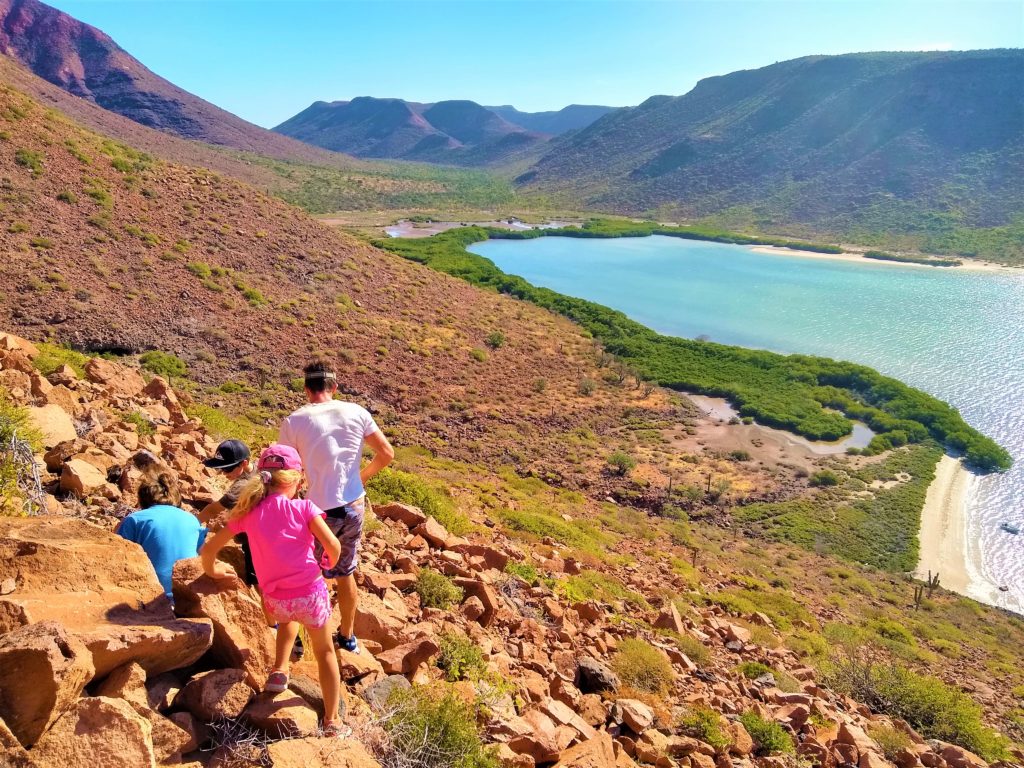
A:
281	531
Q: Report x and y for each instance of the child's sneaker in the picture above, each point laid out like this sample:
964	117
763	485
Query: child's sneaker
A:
335	729
277	682
349	644
297	650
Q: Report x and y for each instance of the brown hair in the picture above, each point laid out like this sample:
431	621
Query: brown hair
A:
319	376
159	487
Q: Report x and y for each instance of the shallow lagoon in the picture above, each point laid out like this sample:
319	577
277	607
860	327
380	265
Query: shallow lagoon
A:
955	333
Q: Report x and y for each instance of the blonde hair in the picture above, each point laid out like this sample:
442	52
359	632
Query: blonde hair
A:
256	489
159	487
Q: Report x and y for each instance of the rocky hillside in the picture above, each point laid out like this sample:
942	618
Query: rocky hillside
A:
858	143
452	132
88	64
477	649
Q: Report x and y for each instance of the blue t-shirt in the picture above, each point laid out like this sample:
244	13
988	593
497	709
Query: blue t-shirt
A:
167	534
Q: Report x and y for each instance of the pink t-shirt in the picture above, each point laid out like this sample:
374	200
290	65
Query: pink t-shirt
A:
282	545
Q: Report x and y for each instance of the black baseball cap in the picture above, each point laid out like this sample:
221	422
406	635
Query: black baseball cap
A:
229	455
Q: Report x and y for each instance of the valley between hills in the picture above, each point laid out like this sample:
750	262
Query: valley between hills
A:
165	277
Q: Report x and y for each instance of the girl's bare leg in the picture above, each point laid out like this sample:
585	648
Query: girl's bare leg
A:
327	668
286	632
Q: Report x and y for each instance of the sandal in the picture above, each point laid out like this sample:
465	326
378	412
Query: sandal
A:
335	729
277	682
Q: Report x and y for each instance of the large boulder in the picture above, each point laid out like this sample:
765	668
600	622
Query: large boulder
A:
314	752
406	658
98	732
116	379
215	694
82	478
594	677
54	423
114	604
241	637
11	343
597	752
12	754
283	715
43	670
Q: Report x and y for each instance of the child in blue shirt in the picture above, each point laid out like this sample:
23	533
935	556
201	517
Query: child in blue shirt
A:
161	527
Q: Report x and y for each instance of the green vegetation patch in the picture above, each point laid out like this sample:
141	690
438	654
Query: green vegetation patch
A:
53	356
14	421
880	529
395	485
769	737
903	259
436	590
799	393
705	724
163	364
434	727
460	658
642	666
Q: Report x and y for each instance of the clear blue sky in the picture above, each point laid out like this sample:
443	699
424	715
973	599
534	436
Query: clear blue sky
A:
267	60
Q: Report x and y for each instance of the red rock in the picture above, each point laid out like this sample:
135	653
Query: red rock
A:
871	759
126	682
12	754
376	620
958	757
736	633
742	744
196	731
851	734
407	515
405	658
53	422
116	379
483	592
314	752
433	532
217	693
241	637
43	670
11	343
596	752
98	732
670	619
354	666
509	759
282	715
492	557
635	714
472	609
82	478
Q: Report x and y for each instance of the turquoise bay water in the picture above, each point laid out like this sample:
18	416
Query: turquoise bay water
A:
956	334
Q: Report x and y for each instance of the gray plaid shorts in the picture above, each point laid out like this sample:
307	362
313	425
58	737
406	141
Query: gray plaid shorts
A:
347	524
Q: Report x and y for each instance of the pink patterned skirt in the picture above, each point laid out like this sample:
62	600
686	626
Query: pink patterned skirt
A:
312	610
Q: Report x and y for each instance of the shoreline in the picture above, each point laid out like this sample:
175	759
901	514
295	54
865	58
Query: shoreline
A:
943	534
968	265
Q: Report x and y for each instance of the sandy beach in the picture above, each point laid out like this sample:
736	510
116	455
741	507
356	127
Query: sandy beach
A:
944	548
969	265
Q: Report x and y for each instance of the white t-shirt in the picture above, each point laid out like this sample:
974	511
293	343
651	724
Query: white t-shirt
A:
329	438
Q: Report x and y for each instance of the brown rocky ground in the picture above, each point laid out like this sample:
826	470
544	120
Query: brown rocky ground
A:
97	670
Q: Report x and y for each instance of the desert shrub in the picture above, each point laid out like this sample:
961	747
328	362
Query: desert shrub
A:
29	159
52	356
890	740
67	196
143	426
824	478
594	585
768	735
587	387
14	421
739	455
642	666
460	658
200	269
705	724
621	462
223	426
933	708
539	385
436	590
524	571
163	364
478	354
892	631
495	339
394	485
754	669
432	728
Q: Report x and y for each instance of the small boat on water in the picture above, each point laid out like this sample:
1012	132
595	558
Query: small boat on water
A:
1009	528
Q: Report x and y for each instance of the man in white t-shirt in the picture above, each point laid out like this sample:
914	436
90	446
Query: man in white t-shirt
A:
329	435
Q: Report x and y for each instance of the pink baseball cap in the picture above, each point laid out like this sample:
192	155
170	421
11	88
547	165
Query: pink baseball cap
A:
278	456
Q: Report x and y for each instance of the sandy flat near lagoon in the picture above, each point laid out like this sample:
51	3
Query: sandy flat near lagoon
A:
969	265
944	548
